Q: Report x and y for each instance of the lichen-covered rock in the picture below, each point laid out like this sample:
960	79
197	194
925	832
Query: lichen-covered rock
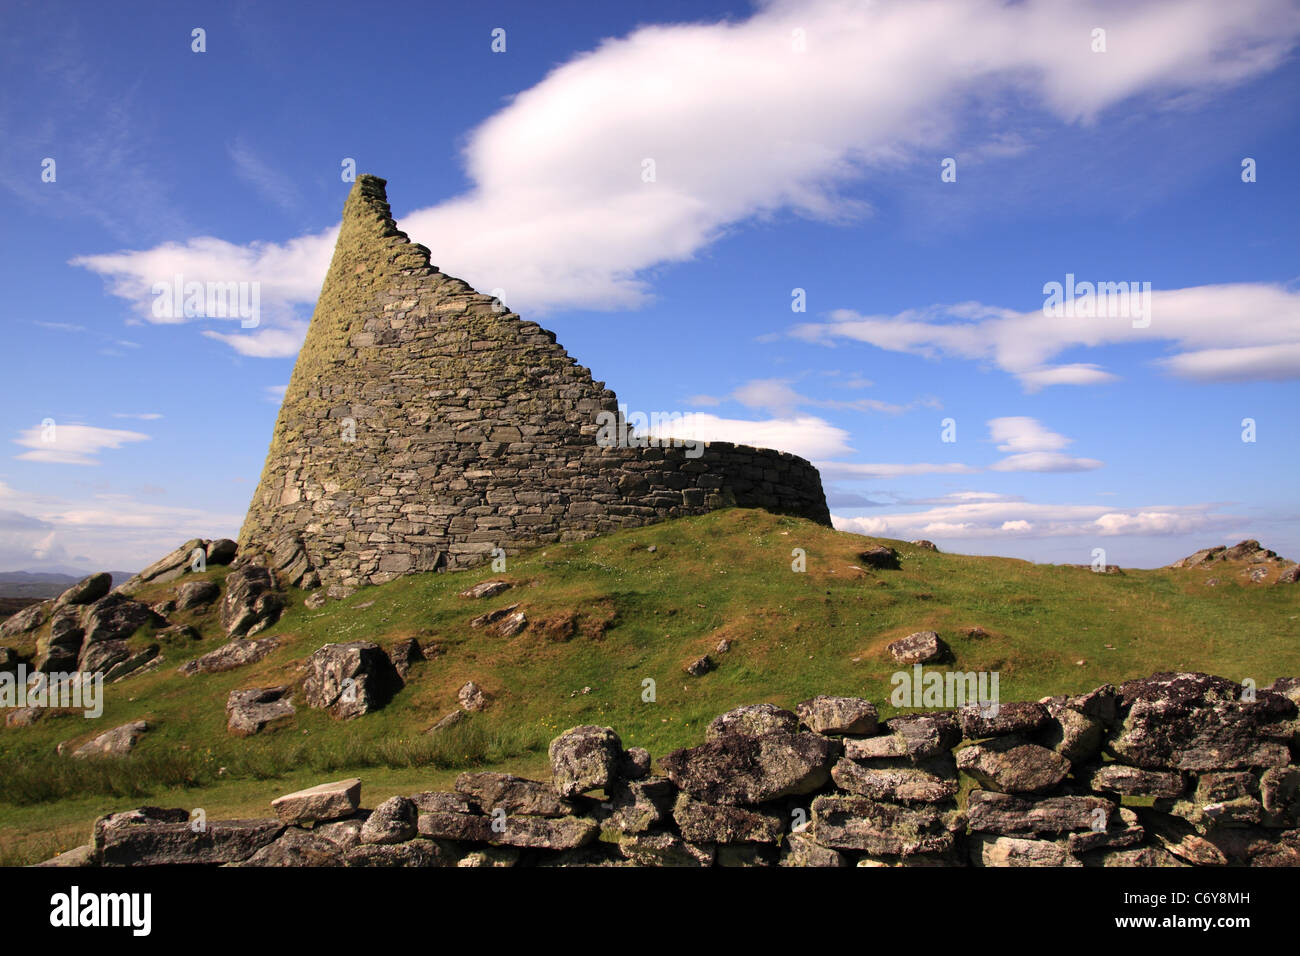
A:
251	602
250	711
456	825
194	594
229	656
471	697
167	568
117	742
713	823
326	801
1012	765
513	795
838	715
922	647
1197	722
635	764
665	849
995	720
737	768
115	617
87	590
404	654
1279	790
1133	781
411	853
350	679
753	720
393	821
895	781
585	758
800	849
28	619
150	837
916	736
296	847
1070	732
857	823
545	833
989	850
101	657
637	806
992	812
485	589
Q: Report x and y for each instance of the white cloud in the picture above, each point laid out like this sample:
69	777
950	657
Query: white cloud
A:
804	435
740	125
1035	447
1024	519
1225	333
1021	434
72	444
1045	461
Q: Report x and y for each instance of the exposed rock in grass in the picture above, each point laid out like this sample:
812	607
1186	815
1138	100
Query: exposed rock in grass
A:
250	711
350	679
117	742
921	647
485	589
880	558
229	656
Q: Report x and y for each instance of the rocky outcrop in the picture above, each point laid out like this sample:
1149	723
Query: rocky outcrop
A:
87	590
1185	786
251	602
229	656
349	680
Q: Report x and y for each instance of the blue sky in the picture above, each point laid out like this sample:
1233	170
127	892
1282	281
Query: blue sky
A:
795	146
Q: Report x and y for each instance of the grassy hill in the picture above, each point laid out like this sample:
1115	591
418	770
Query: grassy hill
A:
606	615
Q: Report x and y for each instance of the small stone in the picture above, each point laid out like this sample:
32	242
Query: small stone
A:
700	666
471	697
921	647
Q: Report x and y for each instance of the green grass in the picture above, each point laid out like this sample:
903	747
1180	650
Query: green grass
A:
609	614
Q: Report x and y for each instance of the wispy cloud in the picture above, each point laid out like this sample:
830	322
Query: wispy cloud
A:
72	444
1225	333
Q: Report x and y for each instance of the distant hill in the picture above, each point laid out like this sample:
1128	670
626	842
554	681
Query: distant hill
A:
44	584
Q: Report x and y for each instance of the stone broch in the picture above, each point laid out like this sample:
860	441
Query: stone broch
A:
425	426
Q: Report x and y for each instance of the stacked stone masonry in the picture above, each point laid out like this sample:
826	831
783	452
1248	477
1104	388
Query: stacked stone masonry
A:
424	427
1171	770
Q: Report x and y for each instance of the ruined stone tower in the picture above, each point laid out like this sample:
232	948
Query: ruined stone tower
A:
423	428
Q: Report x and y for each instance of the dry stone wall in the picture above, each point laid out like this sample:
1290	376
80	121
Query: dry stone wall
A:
1170	770
424	427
